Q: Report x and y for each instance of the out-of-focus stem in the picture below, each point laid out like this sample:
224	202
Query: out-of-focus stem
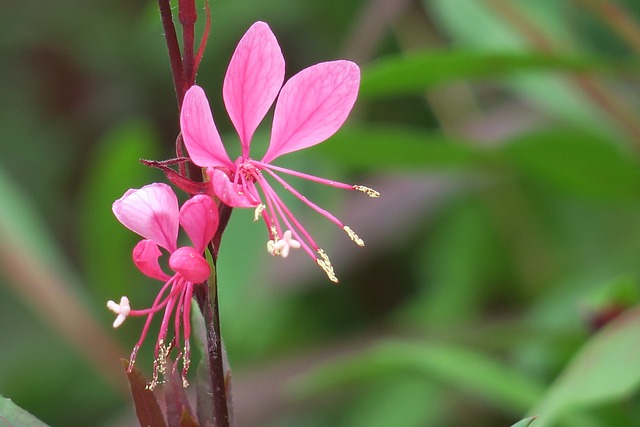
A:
617	18
597	93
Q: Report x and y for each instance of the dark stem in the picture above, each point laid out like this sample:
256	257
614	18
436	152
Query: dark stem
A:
208	303
184	71
187	15
174	49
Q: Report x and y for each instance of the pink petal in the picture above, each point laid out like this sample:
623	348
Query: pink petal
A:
145	257
312	106
199	131
231	194
199	218
252	82
190	264
152	212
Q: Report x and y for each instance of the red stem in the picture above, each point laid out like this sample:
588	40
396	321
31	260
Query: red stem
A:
174	49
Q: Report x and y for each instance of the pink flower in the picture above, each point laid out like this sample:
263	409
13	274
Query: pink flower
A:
311	107
152	212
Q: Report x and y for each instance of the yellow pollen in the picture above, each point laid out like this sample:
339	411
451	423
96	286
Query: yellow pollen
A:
258	212
325	264
353	236
271	248
368	191
159	365
186	362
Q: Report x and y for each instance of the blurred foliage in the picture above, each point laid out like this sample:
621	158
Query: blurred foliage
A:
500	278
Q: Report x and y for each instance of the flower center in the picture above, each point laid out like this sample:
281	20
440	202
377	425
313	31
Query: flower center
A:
190	264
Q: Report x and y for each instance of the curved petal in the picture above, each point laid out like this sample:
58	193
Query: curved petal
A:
252	82
152	212
230	193
145	257
190	264
199	130
199	218
312	106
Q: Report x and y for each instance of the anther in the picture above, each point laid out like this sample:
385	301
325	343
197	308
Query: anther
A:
259	209
325	264
366	190
353	236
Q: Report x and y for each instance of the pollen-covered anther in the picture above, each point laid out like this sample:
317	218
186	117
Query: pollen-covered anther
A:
186	362
159	365
325	264
353	236
271	247
122	310
259	209
368	191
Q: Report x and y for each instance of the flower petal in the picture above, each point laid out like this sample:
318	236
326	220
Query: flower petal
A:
312	106
190	264
199	218
145	257
253	80
228	192
199	130
152	212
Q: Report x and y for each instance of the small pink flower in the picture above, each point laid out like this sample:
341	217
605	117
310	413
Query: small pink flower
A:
311	107
152	212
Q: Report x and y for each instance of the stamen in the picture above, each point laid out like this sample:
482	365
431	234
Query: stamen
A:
368	191
325	264
159	365
186	362
271	247
259	209
353	236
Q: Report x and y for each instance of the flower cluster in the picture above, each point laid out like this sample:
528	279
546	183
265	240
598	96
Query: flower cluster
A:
310	107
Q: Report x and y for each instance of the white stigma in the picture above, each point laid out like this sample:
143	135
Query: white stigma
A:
284	245
122	310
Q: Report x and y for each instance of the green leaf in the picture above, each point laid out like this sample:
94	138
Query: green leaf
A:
395	147
525	423
604	370
463	369
12	415
115	170
417	72
576	162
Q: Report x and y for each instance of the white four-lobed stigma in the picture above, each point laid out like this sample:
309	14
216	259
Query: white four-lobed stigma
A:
122	310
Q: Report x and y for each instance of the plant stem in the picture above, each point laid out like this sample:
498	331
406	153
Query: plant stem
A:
184	69
174	49
208	302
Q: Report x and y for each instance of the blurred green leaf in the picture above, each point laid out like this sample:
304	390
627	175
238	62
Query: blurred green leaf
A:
477	25
576	162
463	369
114	170
525	423
395	147
605	369
417	72
12	415
380	403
